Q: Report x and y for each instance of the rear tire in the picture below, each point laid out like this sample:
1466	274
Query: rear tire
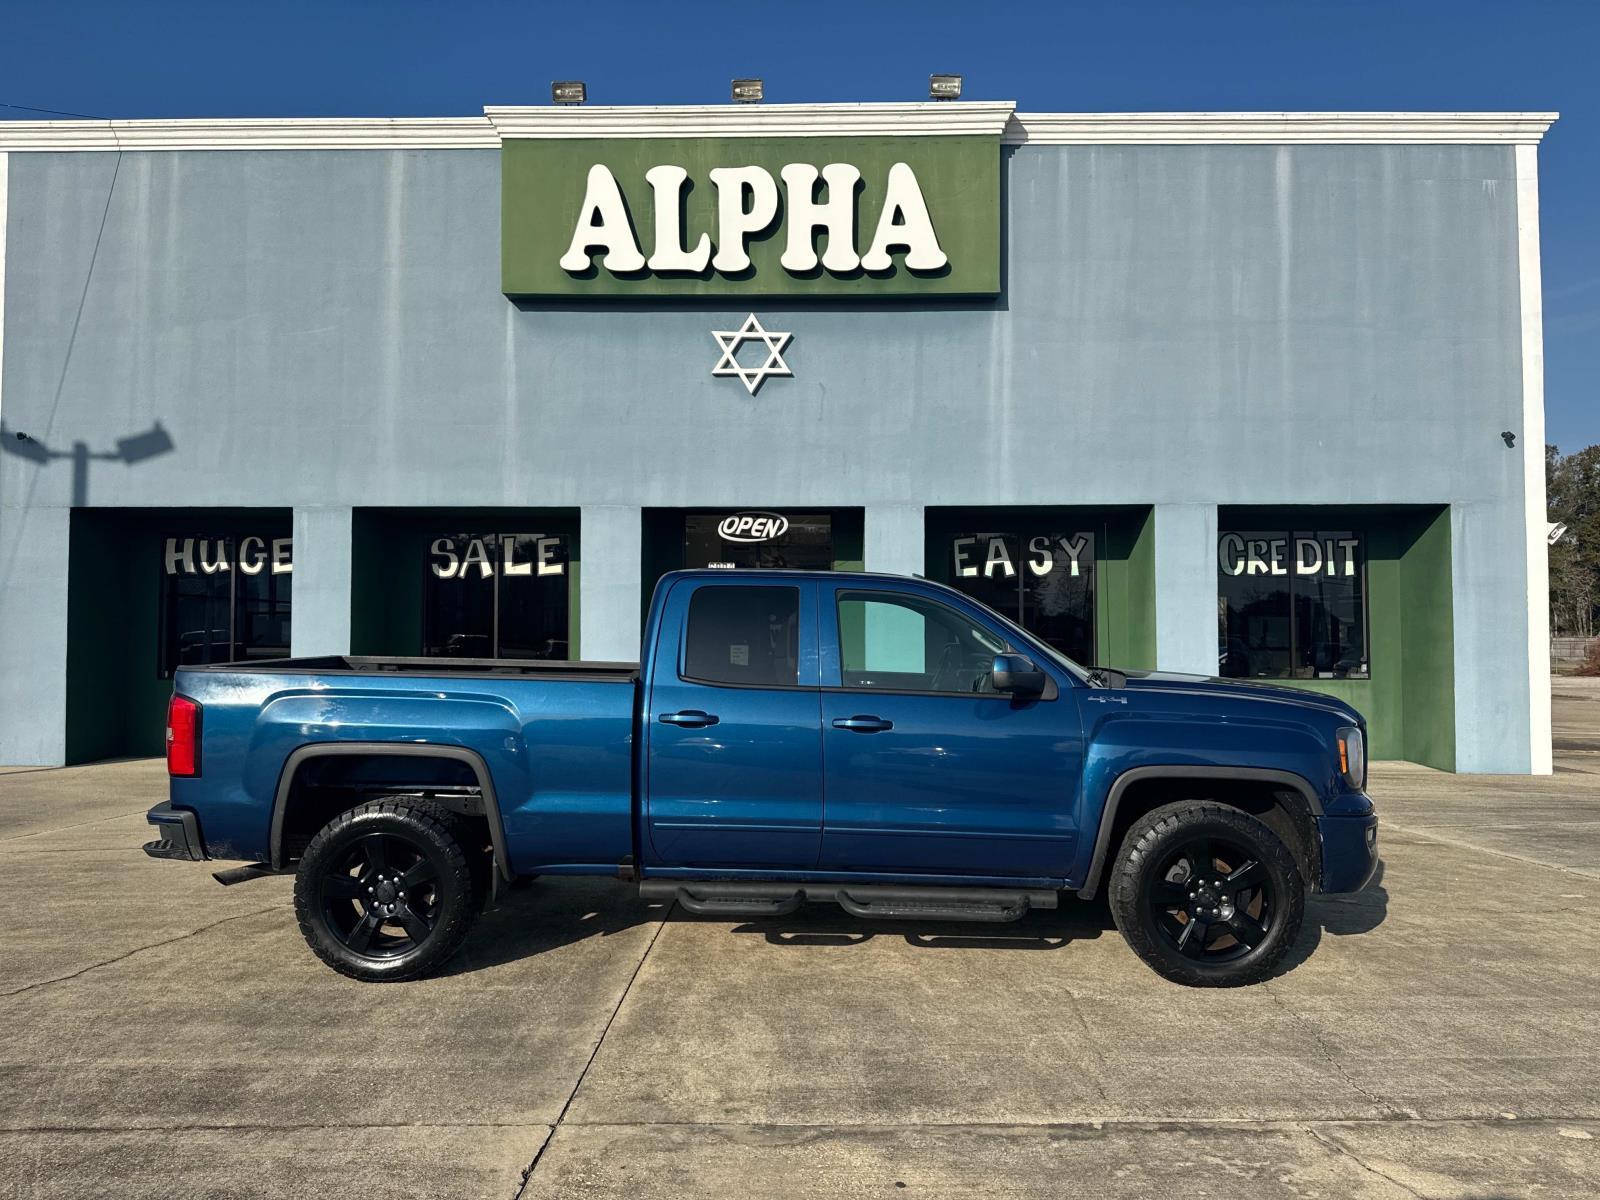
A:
1207	895
386	891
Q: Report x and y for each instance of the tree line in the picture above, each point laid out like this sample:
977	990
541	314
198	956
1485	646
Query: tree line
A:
1572	483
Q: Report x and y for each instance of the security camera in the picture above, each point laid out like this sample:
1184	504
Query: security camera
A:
22	437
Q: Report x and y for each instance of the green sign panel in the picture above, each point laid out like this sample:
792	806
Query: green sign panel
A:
858	217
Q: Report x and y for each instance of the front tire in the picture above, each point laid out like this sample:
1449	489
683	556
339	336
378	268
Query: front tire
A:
1207	895
385	891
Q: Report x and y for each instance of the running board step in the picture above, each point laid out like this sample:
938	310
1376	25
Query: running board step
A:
730	897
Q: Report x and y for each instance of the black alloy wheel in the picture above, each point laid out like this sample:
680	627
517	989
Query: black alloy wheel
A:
386	890
381	897
1212	901
1207	894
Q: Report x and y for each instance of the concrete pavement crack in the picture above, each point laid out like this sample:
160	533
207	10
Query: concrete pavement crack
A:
527	1173
40	983
1328	1055
1346	1152
17	837
262	1127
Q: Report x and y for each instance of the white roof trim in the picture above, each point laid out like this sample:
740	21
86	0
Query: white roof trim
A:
1332	128
776	120
754	120
307	133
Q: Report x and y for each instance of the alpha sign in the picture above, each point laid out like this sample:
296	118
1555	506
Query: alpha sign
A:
853	216
748	205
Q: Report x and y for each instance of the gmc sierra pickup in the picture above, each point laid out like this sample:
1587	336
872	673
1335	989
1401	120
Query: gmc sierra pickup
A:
884	743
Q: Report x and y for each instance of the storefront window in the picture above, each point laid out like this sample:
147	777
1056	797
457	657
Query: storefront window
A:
799	541
496	596
224	599
1292	605
1042	579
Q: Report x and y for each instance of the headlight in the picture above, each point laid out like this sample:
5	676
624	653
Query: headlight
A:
1353	757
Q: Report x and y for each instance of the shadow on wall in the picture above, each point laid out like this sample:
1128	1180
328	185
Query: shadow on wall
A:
130	451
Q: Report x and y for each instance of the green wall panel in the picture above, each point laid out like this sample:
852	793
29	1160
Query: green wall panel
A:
116	697
543	182
1409	702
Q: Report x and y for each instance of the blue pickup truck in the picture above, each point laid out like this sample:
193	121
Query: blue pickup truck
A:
884	743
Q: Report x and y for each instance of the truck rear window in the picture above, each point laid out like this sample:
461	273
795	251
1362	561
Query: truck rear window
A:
744	635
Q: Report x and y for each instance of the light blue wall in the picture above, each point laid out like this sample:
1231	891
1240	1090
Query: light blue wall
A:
1189	325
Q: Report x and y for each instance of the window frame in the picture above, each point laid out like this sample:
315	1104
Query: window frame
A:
1360	533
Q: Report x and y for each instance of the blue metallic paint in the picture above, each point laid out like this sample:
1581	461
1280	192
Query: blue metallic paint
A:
963	789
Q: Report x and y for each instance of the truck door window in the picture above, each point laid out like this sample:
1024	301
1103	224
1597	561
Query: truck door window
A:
744	635
908	644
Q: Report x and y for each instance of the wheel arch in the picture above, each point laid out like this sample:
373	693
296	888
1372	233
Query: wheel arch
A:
470	759
1140	789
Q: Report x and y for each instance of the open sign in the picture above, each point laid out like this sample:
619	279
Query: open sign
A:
753	527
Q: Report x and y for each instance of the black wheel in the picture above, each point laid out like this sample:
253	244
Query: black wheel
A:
386	891
1207	895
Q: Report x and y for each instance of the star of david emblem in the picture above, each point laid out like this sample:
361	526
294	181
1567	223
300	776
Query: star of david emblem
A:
751	331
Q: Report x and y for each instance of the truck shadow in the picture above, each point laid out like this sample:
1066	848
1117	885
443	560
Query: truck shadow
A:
826	925
546	914
1348	915
554	912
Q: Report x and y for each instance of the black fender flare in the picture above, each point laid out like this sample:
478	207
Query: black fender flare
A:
474	760
1119	786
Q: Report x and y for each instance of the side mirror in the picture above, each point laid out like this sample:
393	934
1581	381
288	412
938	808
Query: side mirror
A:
1017	674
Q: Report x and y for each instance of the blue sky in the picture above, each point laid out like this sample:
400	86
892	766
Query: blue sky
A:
154	59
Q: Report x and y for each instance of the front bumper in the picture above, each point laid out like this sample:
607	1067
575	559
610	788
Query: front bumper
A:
1349	851
179	834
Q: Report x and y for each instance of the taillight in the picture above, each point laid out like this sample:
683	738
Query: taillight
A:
183	736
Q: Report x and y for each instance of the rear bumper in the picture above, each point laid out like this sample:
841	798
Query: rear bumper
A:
1349	851
177	834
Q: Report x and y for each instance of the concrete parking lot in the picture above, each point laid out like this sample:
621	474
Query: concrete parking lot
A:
1434	1036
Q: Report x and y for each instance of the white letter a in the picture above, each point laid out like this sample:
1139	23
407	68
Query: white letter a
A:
904	224
611	233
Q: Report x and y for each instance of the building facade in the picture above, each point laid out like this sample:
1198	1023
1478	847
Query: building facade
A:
1239	394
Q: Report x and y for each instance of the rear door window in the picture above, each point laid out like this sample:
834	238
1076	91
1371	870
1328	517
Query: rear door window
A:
747	636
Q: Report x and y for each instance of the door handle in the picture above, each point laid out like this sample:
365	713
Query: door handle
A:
863	724
691	718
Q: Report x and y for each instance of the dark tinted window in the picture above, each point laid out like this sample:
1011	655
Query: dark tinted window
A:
800	541
1291	604
489	595
744	635
224	599
1042	578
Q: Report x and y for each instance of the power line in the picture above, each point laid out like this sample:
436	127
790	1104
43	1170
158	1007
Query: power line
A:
51	111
